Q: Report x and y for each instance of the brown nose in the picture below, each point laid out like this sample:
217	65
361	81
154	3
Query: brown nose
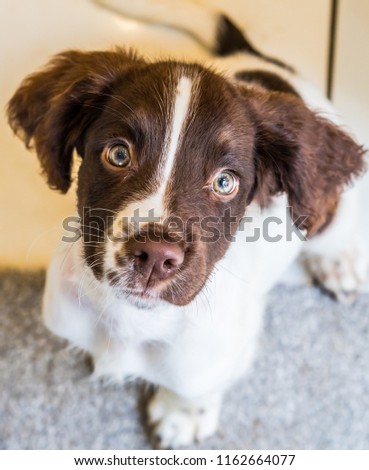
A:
156	260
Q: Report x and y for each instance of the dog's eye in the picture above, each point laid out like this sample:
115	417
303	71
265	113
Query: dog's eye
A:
119	156
225	183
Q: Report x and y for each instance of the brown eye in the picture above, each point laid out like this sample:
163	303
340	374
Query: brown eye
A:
225	183
119	156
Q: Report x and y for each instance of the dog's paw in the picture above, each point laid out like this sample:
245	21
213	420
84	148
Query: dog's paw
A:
342	274
179	423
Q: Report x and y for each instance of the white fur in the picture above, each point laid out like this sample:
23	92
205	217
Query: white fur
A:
248	271
194	353
179	421
181	106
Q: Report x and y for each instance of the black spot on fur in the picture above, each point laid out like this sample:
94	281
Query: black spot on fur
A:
230	40
268	80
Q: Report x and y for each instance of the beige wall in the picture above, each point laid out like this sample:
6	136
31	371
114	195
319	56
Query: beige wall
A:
351	72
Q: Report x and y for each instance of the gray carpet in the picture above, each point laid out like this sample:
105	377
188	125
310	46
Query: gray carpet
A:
308	389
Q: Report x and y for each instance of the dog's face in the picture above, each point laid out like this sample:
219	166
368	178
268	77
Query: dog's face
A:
172	154
162	163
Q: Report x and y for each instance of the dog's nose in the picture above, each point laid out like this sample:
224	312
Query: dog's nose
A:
157	260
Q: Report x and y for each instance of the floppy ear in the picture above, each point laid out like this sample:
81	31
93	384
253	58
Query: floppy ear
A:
52	108
302	154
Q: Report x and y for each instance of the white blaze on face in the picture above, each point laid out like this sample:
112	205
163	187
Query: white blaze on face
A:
172	142
181	106
154	205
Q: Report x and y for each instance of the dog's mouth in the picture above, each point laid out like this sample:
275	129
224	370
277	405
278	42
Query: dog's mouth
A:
140	291
142	298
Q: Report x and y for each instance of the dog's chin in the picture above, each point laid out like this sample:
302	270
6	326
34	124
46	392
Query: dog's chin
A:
143	303
151	299
139	298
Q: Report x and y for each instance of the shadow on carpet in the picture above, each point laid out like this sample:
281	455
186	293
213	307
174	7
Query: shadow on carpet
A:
308	388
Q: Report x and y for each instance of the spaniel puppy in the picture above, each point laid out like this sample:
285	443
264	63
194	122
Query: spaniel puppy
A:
197	187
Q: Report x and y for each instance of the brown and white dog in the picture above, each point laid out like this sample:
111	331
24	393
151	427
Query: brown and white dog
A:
183	169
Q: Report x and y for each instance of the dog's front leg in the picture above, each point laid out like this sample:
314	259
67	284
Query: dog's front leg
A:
207	358
180	422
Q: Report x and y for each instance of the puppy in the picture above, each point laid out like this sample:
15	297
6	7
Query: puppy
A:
183	168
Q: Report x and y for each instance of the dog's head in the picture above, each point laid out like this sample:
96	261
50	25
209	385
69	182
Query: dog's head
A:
172	154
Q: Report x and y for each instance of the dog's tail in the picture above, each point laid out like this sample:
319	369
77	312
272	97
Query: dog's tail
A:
210	27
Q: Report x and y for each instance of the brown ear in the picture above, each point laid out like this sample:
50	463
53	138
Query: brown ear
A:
300	153
52	108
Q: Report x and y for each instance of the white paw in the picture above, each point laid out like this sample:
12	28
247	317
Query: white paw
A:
342	274
179	422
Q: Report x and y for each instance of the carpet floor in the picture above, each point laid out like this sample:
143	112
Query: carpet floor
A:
308	388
